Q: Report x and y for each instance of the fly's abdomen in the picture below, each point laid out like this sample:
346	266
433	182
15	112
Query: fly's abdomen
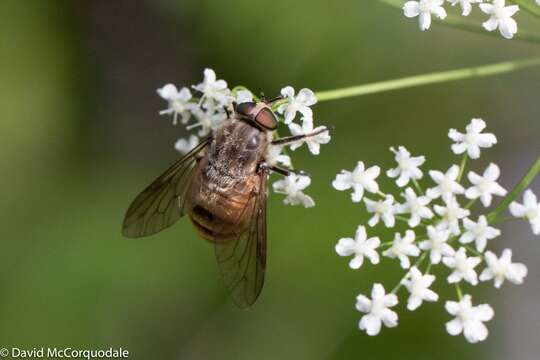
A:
220	214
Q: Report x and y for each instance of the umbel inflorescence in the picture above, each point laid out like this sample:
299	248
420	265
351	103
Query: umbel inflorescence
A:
499	13
211	103
441	230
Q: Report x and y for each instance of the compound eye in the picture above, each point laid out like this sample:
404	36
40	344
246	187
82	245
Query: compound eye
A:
245	108
253	143
266	119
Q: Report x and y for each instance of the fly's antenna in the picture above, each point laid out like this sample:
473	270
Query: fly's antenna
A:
272	101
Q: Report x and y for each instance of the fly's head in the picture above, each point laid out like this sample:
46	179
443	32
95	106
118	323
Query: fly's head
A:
259	113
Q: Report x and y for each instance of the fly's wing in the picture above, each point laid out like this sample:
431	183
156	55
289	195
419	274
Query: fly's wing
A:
161	204
242	261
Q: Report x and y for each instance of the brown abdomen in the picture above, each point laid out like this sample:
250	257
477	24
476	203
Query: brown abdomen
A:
221	213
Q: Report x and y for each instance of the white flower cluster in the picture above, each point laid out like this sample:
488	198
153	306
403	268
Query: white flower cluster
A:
436	228
211	106
500	15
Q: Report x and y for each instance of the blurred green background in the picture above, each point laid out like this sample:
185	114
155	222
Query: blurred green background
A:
81	136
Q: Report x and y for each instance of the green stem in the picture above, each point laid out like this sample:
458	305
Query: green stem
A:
459	292
428	269
520	187
460	23
417	186
470	203
402	218
430	78
528	6
416	264
506	219
462	166
238	88
474	251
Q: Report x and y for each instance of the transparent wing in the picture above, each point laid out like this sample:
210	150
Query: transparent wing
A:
242	261
161	204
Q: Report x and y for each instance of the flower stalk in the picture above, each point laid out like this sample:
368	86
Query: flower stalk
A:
518	189
430	78
532	9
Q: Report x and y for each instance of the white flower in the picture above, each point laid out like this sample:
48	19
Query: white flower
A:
500	17
446	183
502	268
183	146
463	267
377	310
299	103
407	166
213	89
360	246
179	102
466	5
416	206
243	96
437	244
274	156
469	319
313	142
485	186
208	119
423	9
359	179
473	139
402	248
480	232
451	213
418	285
382	209
530	209
292	186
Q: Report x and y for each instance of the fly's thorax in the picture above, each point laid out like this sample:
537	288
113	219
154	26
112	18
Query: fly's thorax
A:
236	151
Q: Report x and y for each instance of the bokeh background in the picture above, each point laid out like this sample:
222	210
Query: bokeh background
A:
81	136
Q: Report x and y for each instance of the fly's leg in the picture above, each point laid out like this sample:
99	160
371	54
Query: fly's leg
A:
296	138
227	112
282	171
287	141
276	99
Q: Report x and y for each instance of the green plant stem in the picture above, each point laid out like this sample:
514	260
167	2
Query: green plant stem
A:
430	78
459	292
417	186
470	203
402	218
459	22
428	269
474	251
416	264
462	166
528	6
505	219
518	189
